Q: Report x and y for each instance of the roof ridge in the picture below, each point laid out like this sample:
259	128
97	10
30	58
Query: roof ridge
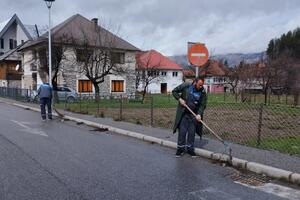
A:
15	17
65	22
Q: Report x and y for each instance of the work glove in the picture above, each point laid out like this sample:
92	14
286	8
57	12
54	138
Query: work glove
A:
198	118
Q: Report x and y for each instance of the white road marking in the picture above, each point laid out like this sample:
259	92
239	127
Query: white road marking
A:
199	54
30	130
277	190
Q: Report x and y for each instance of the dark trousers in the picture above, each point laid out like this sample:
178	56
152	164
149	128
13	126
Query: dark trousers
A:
43	103
187	129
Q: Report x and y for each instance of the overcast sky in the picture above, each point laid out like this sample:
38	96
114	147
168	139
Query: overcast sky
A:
225	26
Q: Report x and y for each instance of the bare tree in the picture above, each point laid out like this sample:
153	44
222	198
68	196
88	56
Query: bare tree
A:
147	72
233	78
58	55
97	55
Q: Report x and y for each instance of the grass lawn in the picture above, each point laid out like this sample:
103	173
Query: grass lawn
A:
290	145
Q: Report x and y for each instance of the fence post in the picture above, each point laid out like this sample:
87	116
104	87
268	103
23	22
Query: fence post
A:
65	103
80	99
98	105
236	97
121	108
259	125
151	110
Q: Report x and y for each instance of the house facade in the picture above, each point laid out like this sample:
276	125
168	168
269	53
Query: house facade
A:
13	34
162	73
216	77
71	73
11	69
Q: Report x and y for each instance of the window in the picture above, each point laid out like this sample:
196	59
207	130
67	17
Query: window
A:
33	67
12	43
22	41
164	73
2	43
175	73
117	86
153	73
63	89
118	57
85	86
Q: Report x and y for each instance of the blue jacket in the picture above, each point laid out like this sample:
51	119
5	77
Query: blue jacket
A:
45	91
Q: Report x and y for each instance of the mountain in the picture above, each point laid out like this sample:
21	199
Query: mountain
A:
232	58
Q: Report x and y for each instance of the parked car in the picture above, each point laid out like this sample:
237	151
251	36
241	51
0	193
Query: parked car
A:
64	94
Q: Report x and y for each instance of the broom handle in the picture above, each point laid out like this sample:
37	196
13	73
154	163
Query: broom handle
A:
216	135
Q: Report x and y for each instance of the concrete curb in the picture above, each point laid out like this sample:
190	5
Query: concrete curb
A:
236	162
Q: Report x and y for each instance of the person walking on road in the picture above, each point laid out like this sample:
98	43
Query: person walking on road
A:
45	94
194	96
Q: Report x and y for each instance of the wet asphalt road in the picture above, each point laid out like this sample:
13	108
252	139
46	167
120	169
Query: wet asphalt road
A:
62	160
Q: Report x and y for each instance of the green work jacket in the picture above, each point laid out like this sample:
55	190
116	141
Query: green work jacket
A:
182	91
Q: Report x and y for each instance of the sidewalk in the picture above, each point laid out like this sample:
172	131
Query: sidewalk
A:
266	157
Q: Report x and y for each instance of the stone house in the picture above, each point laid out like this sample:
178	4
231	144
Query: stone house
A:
70	37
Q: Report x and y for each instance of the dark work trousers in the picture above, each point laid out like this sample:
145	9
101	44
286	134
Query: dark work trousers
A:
43	103
187	129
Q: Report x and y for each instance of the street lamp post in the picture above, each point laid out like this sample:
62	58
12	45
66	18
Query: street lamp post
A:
49	4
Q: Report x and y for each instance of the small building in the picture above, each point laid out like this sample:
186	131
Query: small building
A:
160	73
215	74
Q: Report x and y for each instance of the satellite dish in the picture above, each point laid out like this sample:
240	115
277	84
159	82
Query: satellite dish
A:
17	67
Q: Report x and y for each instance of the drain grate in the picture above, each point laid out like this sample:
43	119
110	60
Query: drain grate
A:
250	178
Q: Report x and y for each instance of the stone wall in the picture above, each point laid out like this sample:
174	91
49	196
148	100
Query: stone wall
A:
70	72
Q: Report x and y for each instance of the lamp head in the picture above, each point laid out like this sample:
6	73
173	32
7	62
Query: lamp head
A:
49	3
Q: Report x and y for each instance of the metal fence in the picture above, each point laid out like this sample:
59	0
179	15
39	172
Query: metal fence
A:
274	126
247	97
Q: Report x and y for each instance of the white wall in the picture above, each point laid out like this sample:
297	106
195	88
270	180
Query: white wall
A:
14	32
172	82
11	33
20	35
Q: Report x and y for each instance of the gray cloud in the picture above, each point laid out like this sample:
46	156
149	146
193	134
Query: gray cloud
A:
224	25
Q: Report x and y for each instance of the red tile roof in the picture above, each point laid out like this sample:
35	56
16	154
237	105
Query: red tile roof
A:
155	60
214	68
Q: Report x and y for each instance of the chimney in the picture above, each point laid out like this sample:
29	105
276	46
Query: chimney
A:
95	21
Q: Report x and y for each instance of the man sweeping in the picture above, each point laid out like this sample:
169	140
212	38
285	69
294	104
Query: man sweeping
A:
194	96
45	94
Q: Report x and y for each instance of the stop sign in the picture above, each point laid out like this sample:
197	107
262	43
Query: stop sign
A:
198	54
